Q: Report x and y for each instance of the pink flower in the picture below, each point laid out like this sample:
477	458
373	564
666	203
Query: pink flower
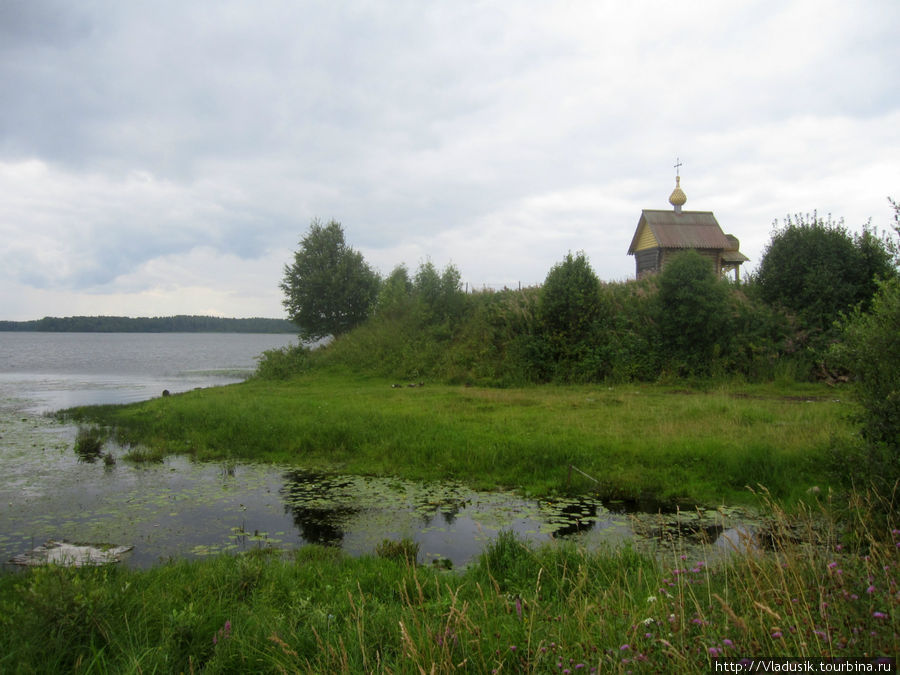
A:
870	589
777	635
879	615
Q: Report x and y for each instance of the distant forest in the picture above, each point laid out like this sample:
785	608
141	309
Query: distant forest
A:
156	324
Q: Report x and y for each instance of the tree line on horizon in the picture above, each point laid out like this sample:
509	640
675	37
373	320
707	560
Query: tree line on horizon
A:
158	324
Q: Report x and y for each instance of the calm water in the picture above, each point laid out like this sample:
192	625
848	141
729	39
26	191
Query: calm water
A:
181	508
51	371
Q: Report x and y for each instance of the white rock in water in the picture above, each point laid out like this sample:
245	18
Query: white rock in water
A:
71	555
740	539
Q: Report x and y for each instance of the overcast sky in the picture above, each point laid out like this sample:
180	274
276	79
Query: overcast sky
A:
166	157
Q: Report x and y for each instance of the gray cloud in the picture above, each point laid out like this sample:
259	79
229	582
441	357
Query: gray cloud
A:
495	135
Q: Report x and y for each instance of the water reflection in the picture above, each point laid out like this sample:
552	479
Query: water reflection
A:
321	505
579	515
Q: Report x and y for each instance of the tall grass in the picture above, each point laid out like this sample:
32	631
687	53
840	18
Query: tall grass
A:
516	609
698	445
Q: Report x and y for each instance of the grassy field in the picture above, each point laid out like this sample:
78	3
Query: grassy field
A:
698	445
556	609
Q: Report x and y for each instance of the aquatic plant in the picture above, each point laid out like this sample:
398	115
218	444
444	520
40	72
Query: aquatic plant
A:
89	443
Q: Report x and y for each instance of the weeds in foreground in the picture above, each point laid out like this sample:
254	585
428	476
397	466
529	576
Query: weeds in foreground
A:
554	609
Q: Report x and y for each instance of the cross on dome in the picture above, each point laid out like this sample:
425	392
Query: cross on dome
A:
677	198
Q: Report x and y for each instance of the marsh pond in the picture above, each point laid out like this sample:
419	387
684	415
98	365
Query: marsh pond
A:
180	508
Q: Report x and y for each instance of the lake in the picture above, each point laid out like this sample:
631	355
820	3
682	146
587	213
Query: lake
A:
52	371
181	508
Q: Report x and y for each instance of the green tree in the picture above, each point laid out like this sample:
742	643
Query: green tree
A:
396	291
692	312
568	311
870	349
439	295
569	300
817	269
329	289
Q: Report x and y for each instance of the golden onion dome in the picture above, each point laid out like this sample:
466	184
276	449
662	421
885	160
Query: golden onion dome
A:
677	198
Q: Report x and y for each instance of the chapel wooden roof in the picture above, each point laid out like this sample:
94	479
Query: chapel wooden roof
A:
687	229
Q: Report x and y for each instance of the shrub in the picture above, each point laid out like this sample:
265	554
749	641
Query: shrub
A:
280	364
817	269
692	313
871	351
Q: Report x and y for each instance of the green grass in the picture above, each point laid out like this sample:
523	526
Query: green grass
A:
516	609
703	445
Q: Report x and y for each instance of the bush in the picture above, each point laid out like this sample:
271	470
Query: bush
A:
817	269
692	313
571	315
280	364
871	351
